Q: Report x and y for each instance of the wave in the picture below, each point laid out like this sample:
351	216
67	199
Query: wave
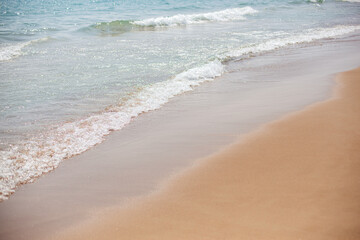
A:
233	14
12	51
316	1
28	160
121	26
353	1
306	36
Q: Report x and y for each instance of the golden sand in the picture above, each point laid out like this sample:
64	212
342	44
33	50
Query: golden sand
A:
297	178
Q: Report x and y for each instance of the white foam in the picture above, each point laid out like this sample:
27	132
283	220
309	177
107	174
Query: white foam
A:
9	52
29	160
317	1
232	14
304	37
353	1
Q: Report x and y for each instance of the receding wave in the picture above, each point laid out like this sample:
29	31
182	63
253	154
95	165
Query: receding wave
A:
121	26
28	160
12	51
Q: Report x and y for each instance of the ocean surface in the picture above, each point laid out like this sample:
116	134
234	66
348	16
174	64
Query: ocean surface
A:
73	71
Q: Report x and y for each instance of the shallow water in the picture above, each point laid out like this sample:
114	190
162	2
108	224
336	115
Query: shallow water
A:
71	72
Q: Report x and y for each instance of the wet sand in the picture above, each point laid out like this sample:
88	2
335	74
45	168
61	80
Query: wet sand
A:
296	178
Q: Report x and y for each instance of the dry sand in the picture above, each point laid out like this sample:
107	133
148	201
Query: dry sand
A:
297	178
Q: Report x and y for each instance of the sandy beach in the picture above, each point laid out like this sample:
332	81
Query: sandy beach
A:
296	178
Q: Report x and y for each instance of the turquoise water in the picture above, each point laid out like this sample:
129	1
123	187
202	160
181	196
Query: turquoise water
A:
71	72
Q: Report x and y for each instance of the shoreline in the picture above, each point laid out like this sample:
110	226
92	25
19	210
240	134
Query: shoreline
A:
131	163
295	178
59	142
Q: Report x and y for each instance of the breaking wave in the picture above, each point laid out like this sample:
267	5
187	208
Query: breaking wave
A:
121	26
233	14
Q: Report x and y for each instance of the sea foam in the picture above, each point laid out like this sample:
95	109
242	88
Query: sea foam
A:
12	51
122	26
306	36
232	14
30	159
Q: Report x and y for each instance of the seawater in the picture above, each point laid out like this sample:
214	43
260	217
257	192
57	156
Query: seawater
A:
73	71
